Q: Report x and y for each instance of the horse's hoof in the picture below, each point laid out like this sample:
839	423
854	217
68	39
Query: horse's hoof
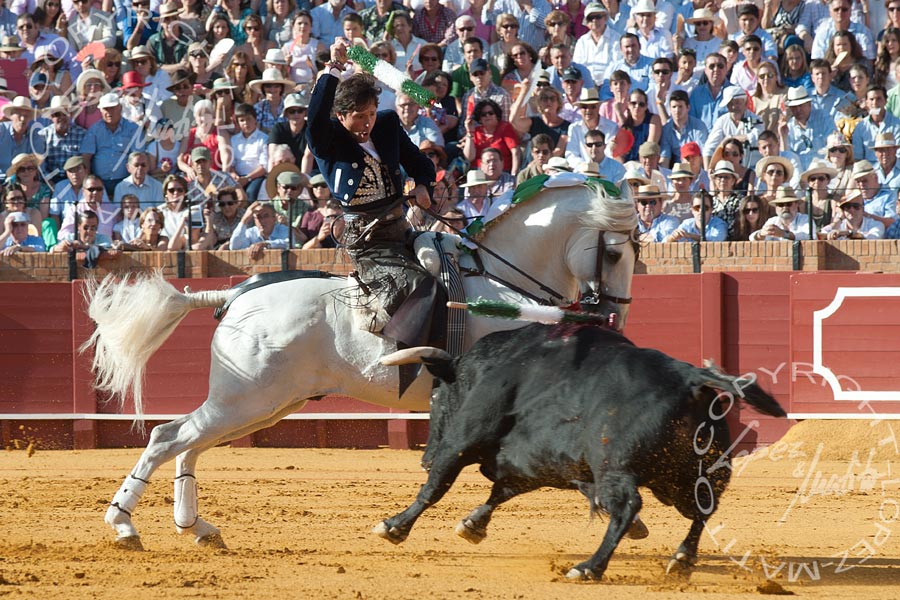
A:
130	542
213	541
679	567
576	574
637	531
392	535
467	531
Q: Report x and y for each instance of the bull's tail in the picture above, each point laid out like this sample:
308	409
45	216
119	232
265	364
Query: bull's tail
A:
132	320
740	387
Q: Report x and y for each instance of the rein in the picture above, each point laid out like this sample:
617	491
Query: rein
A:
480	269
599	294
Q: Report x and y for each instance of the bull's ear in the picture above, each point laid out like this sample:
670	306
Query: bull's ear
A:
441	367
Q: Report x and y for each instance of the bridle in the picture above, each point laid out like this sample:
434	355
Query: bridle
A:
597	294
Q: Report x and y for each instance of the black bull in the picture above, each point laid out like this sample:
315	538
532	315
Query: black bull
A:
579	408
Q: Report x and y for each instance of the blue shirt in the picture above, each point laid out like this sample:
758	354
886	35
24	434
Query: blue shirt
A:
831	101
706	107
883	204
556	80
639	73
865	132
244	237
31	142
807	141
110	149
131	24
31	241
324	26
611	169
716	229
661	227
673	139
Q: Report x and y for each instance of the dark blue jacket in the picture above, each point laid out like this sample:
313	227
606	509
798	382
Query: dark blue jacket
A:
341	158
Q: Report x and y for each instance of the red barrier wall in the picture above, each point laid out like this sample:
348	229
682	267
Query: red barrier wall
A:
761	322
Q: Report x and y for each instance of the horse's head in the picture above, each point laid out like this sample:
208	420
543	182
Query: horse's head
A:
602	256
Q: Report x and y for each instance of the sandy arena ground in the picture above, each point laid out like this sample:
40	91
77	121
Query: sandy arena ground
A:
297	524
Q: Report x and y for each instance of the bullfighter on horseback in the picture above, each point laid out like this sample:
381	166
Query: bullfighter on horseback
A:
360	153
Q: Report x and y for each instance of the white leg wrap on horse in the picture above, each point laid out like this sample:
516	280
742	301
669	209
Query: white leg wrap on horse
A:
185	501
128	496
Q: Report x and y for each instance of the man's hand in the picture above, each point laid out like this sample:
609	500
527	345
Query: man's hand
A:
250	213
257	249
423	200
339	50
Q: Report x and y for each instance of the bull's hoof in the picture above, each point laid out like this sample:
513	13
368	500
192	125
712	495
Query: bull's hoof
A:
213	541
637	531
581	574
393	535
467	531
680	566
130	542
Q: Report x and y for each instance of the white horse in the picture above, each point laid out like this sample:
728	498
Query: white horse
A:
280	345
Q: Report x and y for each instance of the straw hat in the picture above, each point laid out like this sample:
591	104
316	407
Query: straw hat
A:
429	146
271	76
475	177
817	167
21	160
648	191
884	140
682	170
764	163
861	168
635	175
702	14
60	104
724	167
169	9
272	177
11	43
141	52
850	197
88	75
557	163
20	104
589	168
784	195
275	56
4	89
588	96
797	96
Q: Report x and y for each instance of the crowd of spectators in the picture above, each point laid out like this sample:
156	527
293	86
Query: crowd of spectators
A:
149	125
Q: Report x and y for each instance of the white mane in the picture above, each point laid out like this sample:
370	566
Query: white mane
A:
605	212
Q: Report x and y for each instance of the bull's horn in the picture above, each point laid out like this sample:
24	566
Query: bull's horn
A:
414	355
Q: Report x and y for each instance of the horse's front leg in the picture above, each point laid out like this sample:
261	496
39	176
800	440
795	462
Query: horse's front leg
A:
187	516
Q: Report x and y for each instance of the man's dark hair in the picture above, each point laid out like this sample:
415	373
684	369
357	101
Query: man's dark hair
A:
473	40
680	96
353	18
562	46
596	133
244	110
770	135
356	93
663	60
542	139
629	36
874	87
494	150
619	75
89	214
819	63
751	39
432	77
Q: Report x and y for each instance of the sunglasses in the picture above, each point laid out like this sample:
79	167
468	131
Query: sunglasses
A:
818	178
177	190
555	24
838	150
648	202
295	111
852	206
27	168
320	185
509	26
714	66
595	144
750	211
251	28
697	208
229	203
140	61
94	190
25	26
596	17
465	29
289	187
197	54
662	72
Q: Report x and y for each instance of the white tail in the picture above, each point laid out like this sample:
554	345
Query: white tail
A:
132	320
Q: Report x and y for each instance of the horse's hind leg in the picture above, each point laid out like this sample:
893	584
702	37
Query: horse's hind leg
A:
164	444
187	514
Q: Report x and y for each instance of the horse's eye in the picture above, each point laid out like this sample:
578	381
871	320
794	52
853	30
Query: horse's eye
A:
613	257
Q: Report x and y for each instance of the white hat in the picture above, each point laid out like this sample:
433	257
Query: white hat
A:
635	175
557	163
271	76
59	104
475	177
644	6
797	96
594	8
732	92
275	56
702	14
109	100
725	167
19	104
19	217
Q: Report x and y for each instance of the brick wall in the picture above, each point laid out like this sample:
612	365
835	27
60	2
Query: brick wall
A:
844	255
